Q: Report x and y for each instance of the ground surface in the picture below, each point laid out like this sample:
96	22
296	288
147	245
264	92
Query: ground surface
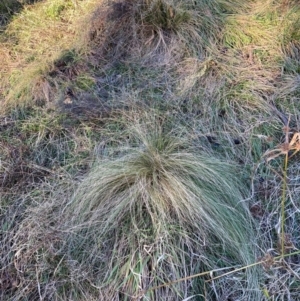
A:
149	150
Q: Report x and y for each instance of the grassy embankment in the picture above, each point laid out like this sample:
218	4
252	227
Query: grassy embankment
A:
148	150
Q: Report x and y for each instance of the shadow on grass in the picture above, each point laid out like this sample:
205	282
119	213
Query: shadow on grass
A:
8	8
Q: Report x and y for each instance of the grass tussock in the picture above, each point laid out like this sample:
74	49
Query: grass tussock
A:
164	29
139	218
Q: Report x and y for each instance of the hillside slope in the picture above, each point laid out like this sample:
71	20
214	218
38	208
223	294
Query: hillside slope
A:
149	150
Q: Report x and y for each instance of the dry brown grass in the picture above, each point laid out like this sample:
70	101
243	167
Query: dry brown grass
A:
78	78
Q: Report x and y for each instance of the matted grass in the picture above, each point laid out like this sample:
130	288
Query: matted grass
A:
33	40
165	104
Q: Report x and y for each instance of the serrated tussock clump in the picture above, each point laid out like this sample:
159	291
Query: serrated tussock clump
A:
159	211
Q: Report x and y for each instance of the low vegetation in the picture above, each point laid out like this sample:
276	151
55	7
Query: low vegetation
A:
149	150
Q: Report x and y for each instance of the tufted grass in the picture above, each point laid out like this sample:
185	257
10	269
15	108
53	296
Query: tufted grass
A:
139	219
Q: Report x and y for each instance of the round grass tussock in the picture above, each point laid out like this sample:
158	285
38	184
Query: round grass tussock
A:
159	212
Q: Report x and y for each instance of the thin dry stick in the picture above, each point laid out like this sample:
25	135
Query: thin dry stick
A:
183	279
220	276
253	264
236	270
283	201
